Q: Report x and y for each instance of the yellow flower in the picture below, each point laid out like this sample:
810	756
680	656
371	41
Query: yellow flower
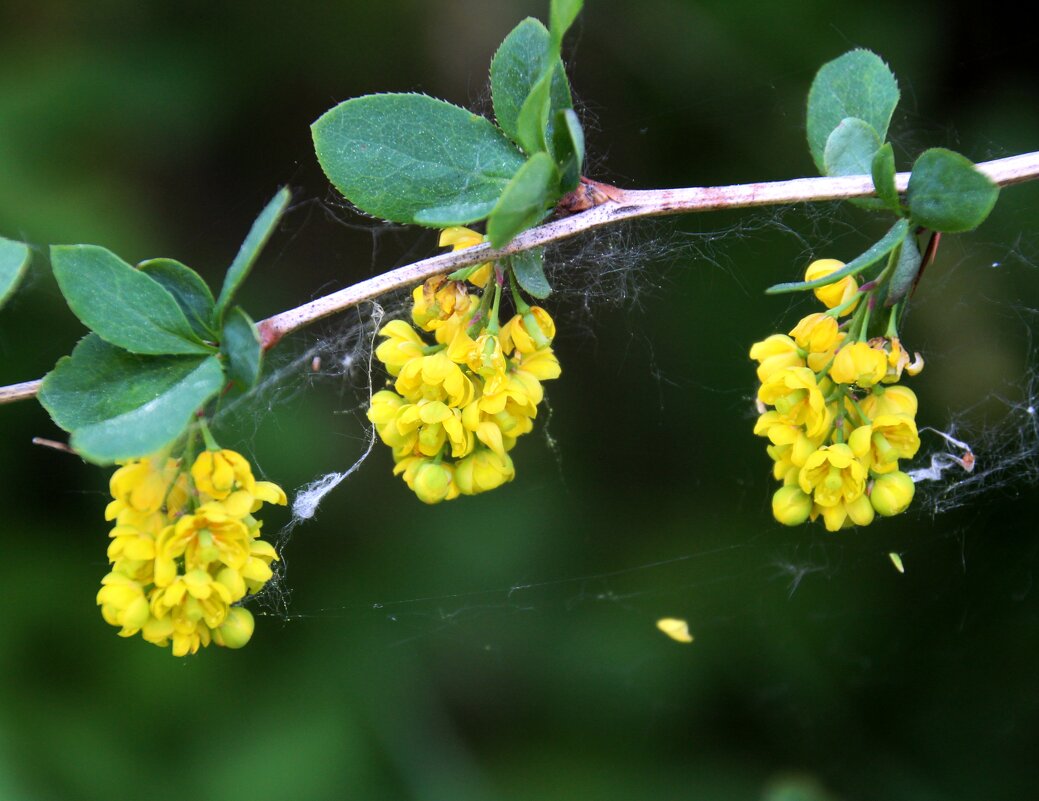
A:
123	603
435	377
858	512
460	238
528	332
402	345
832	295
797	397
889	400
892	493
435	301
773	354
833	475
816	333
147	486
483	470
428	425
897	359
887	439
431	481
858	363
218	473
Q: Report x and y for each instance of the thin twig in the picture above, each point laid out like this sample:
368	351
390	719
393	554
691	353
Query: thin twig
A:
618	206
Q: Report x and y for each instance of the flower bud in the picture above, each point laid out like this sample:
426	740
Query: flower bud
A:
236	629
892	493
791	506
432	482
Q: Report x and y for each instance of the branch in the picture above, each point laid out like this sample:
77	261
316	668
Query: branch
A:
616	205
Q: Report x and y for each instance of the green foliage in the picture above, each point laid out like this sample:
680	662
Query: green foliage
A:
516	69
118	405
525	200
947	192
188	289
568	144
529	269
561	16
240	345
257	237
132	387
883	171
907	268
857	84
850	148
891	240
122	305
410	158
14	262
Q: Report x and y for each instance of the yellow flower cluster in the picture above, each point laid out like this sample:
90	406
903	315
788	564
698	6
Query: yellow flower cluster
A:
459	404
839	422
185	547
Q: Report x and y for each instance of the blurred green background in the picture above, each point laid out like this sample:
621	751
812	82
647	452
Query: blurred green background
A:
503	647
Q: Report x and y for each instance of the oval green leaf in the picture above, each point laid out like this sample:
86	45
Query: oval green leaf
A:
883	171
907	268
569	149
396	156
525	200
14	262
857	84
529	269
240	345
948	193
515	70
119	405
188	289
122	305
259	233
850	148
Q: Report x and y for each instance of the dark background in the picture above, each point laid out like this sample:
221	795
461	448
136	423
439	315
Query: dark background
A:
503	647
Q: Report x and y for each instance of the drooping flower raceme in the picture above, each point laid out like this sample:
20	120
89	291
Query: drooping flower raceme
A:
839	424
185	548
458	405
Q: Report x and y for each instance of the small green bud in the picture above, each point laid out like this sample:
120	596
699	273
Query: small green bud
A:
237	628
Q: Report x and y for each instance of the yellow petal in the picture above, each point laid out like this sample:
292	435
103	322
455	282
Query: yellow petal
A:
675	628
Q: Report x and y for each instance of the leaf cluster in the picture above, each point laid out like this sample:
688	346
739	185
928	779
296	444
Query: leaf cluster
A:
160	348
409	158
850	106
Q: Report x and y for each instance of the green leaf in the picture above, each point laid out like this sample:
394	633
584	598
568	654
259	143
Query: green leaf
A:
569	148
850	148
947	192
119	405
532	125
407	157
188	289
123	305
857	84
14	262
561	16
517	67
906	270
529	269
524	201
883	171
878	251
240	344
257	237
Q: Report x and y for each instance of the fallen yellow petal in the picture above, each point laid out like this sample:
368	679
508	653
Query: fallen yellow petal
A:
675	628
896	560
